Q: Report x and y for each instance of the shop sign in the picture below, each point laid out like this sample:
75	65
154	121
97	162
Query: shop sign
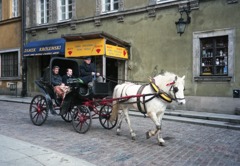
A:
85	48
115	51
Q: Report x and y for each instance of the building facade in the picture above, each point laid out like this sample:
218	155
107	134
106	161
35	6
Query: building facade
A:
207	53
10	46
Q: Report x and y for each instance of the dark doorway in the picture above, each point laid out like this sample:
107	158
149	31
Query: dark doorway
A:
45	60
112	72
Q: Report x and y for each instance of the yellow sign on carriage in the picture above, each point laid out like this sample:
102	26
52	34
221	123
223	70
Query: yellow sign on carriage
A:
85	48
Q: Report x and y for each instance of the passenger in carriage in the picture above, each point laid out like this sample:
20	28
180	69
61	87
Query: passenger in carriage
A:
60	88
68	75
88	72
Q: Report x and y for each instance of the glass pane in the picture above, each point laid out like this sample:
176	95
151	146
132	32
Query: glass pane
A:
63	10
70	15
108	7
70	2
70	8
115	6
63	2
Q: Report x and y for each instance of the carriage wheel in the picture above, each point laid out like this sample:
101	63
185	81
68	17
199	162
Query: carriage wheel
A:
104	117
38	110
68	115
81	119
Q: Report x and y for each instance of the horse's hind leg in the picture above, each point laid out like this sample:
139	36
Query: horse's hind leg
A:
125	111
120	123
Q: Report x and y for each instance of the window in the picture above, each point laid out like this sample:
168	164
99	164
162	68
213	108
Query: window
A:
64	9
0	10
214	56
110	5
9	64
15	8
43	11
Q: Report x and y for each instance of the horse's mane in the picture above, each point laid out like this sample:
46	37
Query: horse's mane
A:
165	78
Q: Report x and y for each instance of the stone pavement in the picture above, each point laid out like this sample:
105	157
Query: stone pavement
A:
14	152
202	118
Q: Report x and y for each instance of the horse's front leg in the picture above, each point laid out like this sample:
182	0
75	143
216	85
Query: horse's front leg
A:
154	118
159	137
125	111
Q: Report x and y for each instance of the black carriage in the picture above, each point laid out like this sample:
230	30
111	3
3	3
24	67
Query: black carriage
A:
80	106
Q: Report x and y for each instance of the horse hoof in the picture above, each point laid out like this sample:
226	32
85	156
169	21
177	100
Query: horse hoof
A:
147	135
161	144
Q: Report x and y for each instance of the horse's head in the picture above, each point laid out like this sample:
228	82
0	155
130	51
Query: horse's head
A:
177	89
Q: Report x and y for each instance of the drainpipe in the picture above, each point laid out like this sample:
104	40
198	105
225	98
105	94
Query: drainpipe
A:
24	60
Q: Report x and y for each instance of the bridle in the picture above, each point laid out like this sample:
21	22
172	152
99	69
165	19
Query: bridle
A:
175	90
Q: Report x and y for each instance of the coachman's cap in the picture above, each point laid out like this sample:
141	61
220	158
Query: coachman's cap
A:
87	58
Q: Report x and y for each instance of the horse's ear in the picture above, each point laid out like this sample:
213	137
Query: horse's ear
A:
175	78
183	77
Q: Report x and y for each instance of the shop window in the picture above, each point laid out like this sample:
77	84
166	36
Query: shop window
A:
214	56
42	11
9	64
64	9
110	6
15	8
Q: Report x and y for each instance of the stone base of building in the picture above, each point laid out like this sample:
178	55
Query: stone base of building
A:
221	105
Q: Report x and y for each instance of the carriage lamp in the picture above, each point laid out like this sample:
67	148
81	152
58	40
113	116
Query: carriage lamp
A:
181	23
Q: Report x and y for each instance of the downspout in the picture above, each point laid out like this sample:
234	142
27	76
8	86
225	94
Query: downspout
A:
24	60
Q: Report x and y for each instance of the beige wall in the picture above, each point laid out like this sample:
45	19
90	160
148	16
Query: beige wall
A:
155	44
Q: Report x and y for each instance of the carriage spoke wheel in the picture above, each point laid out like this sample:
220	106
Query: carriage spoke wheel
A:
38	110
81	119
104	117
68	115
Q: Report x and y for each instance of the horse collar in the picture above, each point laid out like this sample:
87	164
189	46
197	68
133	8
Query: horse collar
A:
160	92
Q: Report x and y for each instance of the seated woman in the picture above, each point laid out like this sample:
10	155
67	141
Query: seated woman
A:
60	88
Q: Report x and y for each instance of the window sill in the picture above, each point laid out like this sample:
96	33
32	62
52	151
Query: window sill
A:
10	78
213	78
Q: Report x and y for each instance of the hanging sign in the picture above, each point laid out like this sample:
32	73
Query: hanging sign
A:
85	48
115	51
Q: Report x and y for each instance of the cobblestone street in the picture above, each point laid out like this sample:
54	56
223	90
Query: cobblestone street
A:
186	144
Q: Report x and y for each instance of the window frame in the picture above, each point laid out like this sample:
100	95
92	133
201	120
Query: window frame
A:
18	65
67	12
164	1
112	3
15	8
46	12
230	32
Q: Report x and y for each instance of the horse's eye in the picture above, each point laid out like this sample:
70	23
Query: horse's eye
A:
175	89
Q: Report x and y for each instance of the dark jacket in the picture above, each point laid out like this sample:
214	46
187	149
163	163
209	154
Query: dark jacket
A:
56	79
65	79
86	70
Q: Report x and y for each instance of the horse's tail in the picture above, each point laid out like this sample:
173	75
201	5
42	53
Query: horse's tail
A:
115	106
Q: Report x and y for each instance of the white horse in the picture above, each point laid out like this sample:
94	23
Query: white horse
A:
152	100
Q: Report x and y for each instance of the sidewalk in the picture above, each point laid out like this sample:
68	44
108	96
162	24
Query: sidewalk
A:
202	118
15	152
